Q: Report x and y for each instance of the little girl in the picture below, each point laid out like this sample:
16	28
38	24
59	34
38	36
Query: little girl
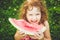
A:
34	12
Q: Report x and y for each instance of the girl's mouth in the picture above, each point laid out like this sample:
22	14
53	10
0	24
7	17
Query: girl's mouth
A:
34	21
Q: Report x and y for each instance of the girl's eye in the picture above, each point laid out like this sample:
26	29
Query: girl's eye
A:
30	14
37	14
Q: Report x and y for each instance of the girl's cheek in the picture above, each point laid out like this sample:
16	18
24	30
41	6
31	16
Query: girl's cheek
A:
31	17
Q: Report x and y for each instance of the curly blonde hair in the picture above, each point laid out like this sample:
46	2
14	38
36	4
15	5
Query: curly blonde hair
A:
36	3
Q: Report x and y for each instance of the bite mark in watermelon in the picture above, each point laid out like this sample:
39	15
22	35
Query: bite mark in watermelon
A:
26	27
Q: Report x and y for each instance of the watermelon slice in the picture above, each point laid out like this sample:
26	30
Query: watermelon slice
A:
26	27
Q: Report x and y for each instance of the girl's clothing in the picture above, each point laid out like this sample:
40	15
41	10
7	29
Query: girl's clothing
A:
29	37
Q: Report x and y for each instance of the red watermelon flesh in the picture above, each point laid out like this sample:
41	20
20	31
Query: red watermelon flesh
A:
26	27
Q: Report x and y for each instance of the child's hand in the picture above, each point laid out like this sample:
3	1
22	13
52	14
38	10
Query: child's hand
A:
22	33
38	36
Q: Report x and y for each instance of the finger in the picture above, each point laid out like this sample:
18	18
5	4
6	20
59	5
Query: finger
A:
39	35
39	32
22	33
36	34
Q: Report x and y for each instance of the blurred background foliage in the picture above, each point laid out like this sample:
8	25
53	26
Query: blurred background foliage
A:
9	8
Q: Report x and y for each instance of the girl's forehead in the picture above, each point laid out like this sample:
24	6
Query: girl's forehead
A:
34	9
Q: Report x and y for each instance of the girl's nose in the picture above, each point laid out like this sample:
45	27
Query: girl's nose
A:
34	18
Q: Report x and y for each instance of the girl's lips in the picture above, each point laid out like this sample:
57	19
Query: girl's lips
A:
34	21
